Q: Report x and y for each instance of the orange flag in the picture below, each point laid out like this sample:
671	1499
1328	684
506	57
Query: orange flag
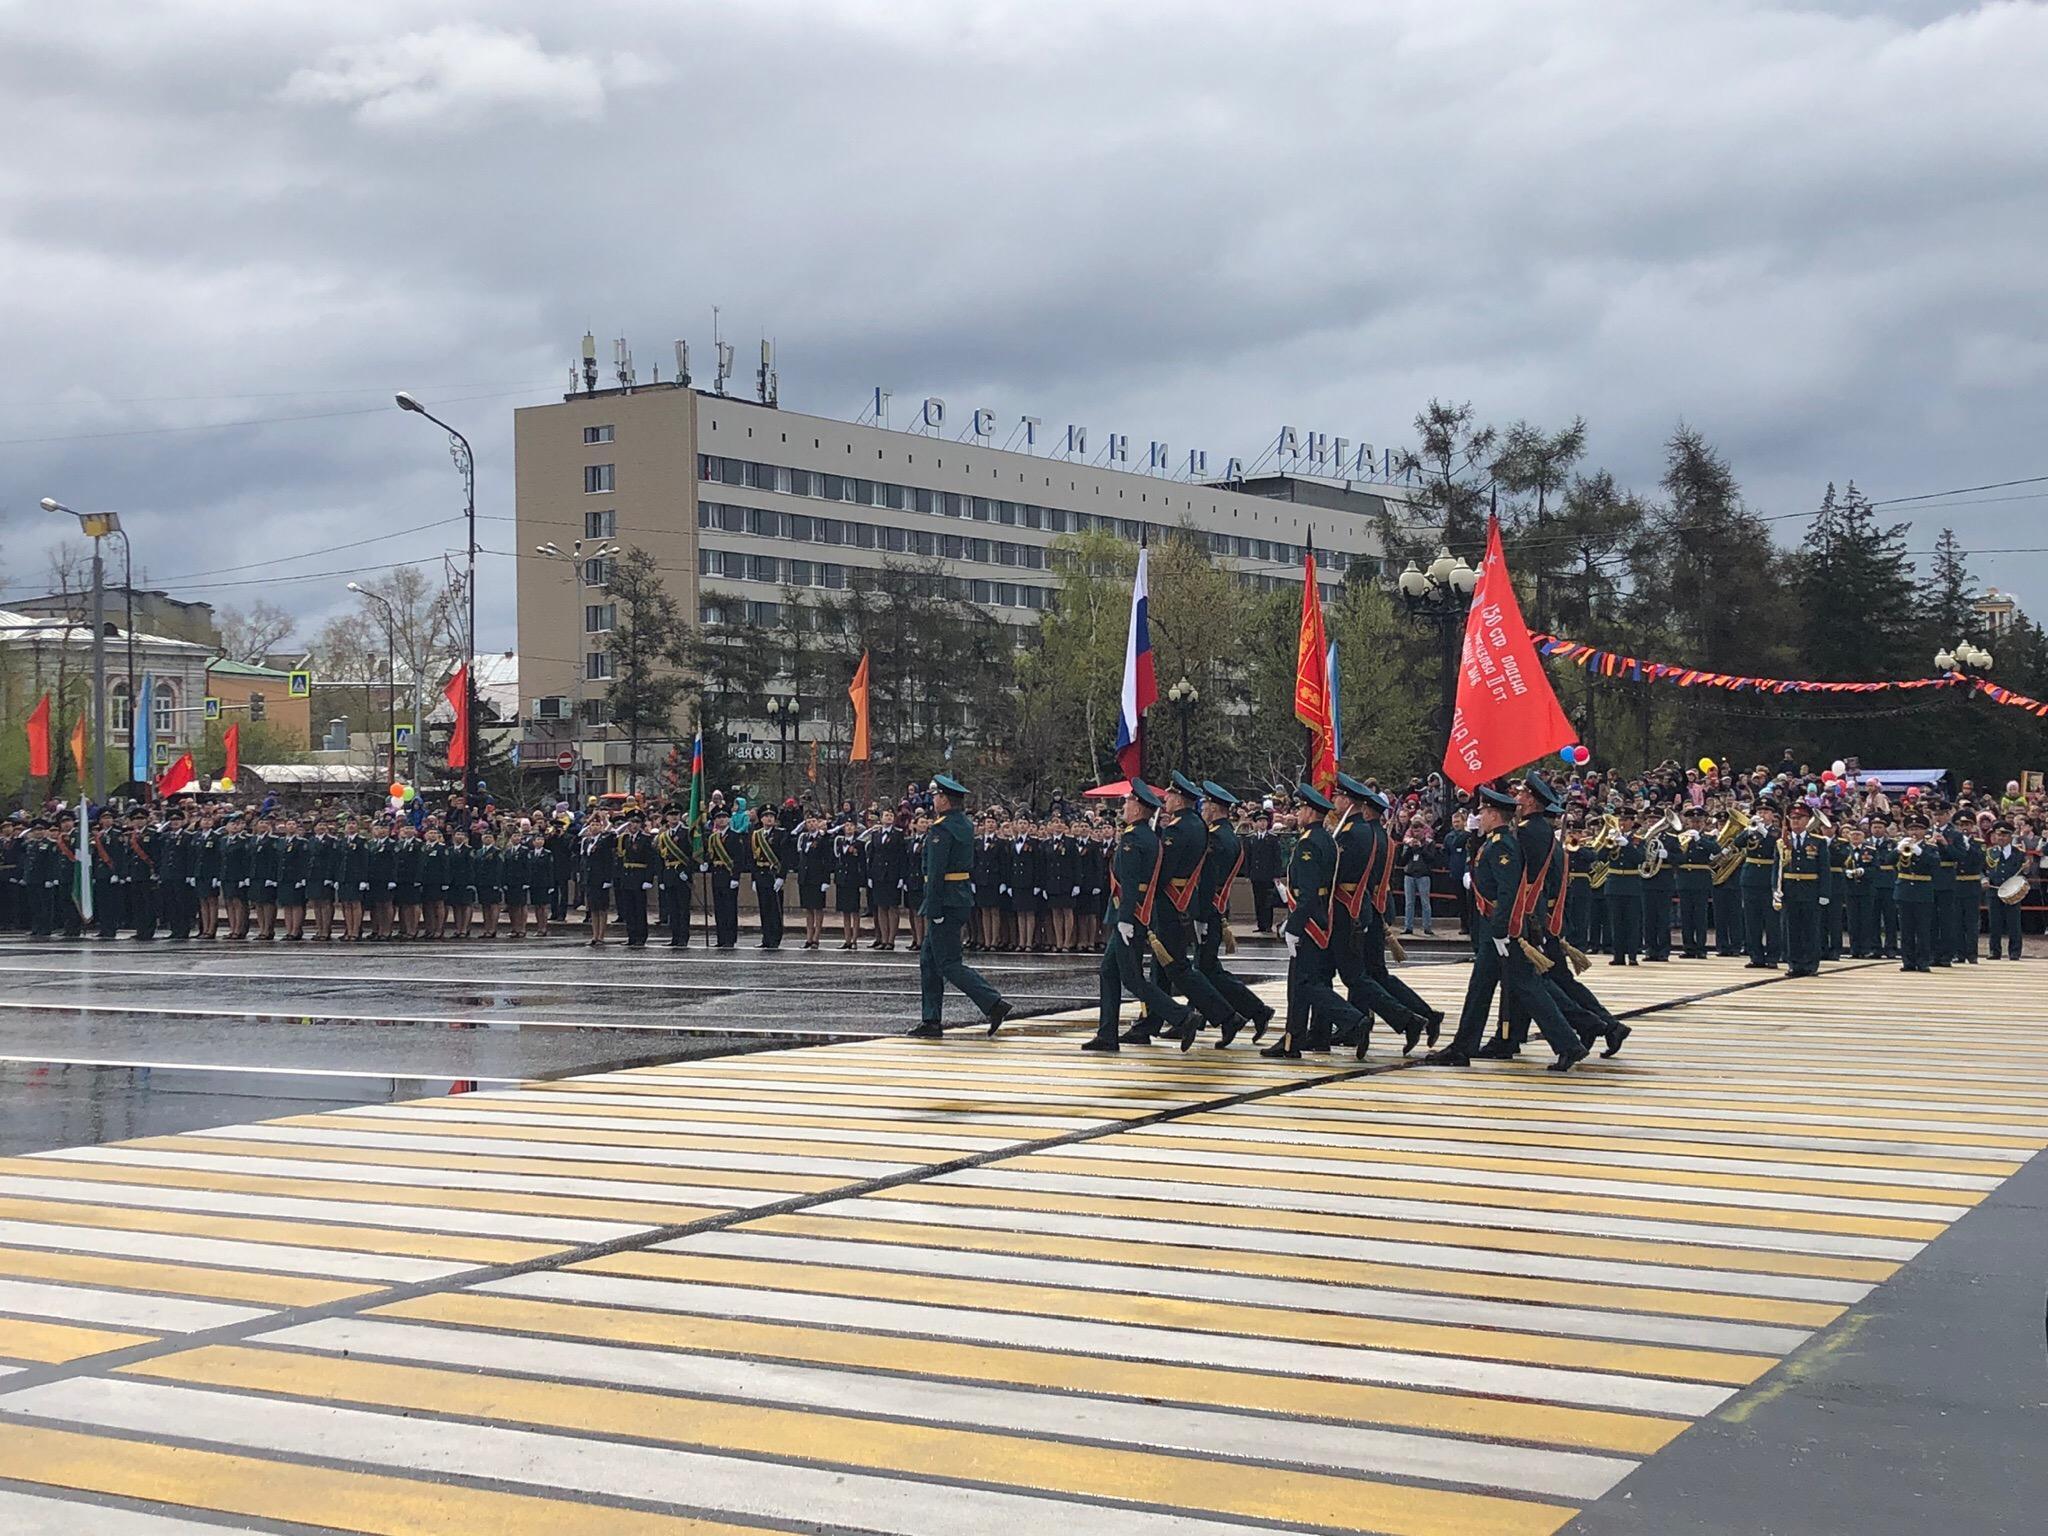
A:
231	743
458	733
858	692
78	746
1312	682
38	728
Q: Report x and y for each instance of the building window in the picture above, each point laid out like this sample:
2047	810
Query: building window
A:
598	618
164	707
597	434
593	711
599	477
600	525
119	720
597	573
798	573
597	666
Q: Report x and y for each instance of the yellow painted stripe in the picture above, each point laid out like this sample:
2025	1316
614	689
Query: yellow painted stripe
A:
1623	1119
303	1234
1398	1407
367	1503
1149	1477
1362	1134
1248	1261
52	1343
1525	1198
681	1119
172	1279
484	1162
1328	1223
628	1211
1197	1316
878	1099
712	1141
1591	1105
1207	1149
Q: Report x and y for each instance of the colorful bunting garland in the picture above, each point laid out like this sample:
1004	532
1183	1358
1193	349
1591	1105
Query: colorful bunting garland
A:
1635	670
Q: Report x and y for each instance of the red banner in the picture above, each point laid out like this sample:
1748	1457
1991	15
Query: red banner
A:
457	694
38	728
231	743
175	777
1507	714
1312	682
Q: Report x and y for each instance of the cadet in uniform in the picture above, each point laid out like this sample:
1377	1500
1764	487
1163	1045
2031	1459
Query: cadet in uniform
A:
769	854
948	904
1183	855
725	859
1314	1009
1806	868
1916	862
1696	850
1499	909
1759	872
1219	876
1134	888
2003	861
1365	866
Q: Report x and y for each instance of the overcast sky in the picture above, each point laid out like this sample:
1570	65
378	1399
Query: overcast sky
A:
1818	233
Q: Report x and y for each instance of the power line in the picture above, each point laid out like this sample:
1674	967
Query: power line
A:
222	426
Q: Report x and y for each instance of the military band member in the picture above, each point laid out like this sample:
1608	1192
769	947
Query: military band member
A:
1856	884
1806	871
1315	1010
1947	842
1885	887
1759	879
1134	891
1969	891
1730	937
1697	849
1916	861
1578	896
1659	887
2003	861
949	853
1500	907
1625	892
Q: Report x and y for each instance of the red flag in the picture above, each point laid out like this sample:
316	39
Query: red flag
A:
1312	681
857	691
231	742
1507	714
38	728
458	736
175	777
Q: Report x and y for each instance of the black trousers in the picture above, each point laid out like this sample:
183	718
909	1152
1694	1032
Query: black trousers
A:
1578	914
769	901
1209	961
725	908
1887	922
1760	926
2005	930
1657	919
1174	933
1599	921
633	904
1123	970
1728	937
1315	1010
1693	902
1581	1009
140	898
1265	900
1969	919
1624	916
675	902
1490	969
1916	934
1945	926
109	901
1366	993
1802	934
1860	911
180	904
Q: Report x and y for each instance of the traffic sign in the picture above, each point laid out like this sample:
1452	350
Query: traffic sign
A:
565	760
301	685
403	736
212	707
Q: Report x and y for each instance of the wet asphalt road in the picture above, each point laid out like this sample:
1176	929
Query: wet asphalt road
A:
101	1041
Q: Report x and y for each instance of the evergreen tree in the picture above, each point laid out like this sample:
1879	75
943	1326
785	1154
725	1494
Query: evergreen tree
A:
1946	614
648	643
1857	603
1534	471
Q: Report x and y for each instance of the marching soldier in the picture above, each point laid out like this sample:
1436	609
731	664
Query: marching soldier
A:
1499	912
1358	945
1696	850
1760	926
1625	891
2004	861
1183	854
1311	891
1916	862
949	850
1806	865
1219	875
1134	889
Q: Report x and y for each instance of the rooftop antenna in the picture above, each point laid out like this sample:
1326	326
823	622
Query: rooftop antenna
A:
622	363
589	366
764	381
720	352
682	362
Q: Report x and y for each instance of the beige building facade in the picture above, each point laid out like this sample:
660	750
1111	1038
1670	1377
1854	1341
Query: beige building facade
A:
738	500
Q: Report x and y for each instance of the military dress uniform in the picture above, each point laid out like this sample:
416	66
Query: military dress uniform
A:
949	852
1885	897
1916	867
1695	877
1947	919
768	849
1134	890
1578	895
1969	897
639	866
725	861
1545	883
1856	886
1365	869
1219	875
1806	862
1658	891
1758	877
1313	1003
1183	855
1625	900
2000	865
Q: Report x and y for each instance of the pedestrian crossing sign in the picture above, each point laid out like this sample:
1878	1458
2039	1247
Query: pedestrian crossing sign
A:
163	753
401	737
302	685
212	709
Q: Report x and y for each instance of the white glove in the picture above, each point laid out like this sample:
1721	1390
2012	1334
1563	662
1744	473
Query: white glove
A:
646	885
935	921
735	885
1202	932
1293	942
1823	901
778	882
1500	947
1128	932
1467	878
1077	890
1281	887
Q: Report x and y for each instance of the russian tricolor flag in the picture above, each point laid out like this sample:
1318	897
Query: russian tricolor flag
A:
1141	688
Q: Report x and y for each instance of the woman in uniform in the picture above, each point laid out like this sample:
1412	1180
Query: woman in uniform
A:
355	881
849	876
813	875
913	877
405	862
461	881
539	859
323	877
294	874
490	880
512	861
263	878
1062	873
600	873
434	881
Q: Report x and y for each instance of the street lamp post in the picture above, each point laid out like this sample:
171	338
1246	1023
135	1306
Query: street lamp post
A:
1440	596
98	525
465	465
1963	658
576	558
1184	696
783	714
390	665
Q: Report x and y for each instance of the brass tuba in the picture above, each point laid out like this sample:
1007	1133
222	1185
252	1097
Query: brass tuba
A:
1608	835
1730	858
1653	842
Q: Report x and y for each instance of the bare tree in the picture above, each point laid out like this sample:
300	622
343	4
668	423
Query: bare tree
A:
250	634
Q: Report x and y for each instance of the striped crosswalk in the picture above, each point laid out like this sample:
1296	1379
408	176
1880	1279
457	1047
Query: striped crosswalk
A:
885	1287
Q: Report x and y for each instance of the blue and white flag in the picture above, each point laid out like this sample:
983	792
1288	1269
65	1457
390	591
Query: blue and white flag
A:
141	761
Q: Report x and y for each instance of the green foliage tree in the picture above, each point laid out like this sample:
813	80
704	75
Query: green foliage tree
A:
648	644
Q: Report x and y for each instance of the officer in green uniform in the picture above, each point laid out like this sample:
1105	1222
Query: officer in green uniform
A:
1658	890
1916	862
1365	862
2002	861
1498	914
1311	891
1807	869
1219	875
1758	877
1625	892
1133	889
1183	856
1856	892
1885	888
1697	848
1947	852
948	903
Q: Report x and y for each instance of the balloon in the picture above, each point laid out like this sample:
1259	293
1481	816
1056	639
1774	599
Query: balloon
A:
1706	765
398	791
227	786
1913	793
1828	777
1582	755
1564	754
410	793
1839	766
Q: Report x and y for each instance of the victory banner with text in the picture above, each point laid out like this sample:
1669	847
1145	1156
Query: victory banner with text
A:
1507	713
